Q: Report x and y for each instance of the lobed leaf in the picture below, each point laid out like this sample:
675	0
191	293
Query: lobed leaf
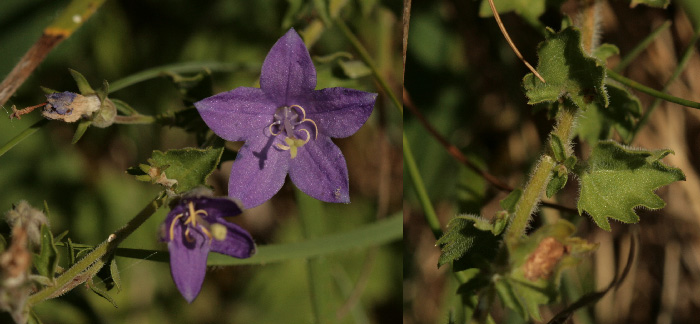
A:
181	169
618	179
568	71
464	239
597	122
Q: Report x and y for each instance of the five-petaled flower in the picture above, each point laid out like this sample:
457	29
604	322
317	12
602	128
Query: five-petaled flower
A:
195	226
287	126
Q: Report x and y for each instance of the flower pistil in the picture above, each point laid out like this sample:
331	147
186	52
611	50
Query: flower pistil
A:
194	220
286	119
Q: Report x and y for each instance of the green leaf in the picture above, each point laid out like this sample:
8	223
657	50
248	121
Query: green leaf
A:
605	51
568	72
114	272
651	3
83	85
597	123
101	292
557	148
509	202
557	182
46	261
182	169
464	239
354	69
618	179
531	10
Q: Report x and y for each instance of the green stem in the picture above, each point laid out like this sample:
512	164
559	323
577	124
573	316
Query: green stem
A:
638	86
625	61
95	259
419	187
676	73
367	59
21	136
540	178
134	119
374	234
320	281
188	67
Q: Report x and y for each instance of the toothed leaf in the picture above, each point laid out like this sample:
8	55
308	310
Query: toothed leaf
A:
618	179
464	240
568	72
597	122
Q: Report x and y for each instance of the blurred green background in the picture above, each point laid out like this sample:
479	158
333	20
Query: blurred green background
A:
89	193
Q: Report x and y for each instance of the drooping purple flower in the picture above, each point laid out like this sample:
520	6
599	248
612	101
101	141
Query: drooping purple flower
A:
287	128
196	226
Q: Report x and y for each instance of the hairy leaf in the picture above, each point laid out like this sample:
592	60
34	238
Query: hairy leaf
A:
618	179
464	239
568	72
597	123
180	170
528	9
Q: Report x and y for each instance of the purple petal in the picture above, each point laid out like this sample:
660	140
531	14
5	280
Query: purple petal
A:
319	170
258	172
215	207
238	114
188	262
287	71
340	112
238	243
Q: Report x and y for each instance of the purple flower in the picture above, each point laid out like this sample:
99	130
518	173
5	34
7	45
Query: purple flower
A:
287	128
196	226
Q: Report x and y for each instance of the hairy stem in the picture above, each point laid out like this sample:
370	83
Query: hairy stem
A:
540	177
92	262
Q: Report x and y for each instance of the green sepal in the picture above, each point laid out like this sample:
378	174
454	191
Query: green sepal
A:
124	107
568	72
557	148
651	3
71	252
467	243
48	90
355	69
46	261
509	202
618	179
80	130
83	86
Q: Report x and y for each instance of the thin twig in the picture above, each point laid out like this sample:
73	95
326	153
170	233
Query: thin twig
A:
461	158
510	42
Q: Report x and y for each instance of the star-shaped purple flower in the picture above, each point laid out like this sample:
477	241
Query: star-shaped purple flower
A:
196	226
287	128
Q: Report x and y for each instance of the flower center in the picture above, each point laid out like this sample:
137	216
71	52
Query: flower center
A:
193	219
287	119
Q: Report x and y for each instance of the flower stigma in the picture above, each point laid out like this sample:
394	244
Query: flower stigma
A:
192	219
286	119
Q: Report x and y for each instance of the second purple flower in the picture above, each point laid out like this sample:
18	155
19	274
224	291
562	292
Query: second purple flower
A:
287	127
